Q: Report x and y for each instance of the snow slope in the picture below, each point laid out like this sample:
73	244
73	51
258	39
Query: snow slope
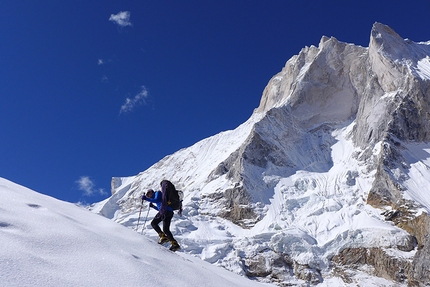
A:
417	182
47	242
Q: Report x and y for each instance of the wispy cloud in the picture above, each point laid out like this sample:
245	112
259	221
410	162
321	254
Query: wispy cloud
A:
101	61
122	18
88	187
131	103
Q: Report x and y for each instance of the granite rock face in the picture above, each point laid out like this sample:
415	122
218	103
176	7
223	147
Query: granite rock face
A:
377	87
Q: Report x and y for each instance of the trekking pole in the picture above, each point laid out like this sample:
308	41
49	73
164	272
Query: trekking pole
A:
144	224
137	226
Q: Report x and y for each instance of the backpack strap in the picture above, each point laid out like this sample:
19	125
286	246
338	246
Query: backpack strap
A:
164	197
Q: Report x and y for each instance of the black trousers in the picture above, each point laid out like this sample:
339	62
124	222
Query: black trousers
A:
166	218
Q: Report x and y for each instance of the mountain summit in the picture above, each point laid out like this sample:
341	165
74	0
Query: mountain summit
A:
326	183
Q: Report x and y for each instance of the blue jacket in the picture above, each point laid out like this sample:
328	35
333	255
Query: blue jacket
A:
158	199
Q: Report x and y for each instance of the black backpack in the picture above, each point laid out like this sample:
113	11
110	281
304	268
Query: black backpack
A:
174	197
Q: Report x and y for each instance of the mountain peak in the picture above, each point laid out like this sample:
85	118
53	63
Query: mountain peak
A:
380	30
386	41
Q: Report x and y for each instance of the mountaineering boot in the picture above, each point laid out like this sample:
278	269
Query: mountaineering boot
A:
163	238
175	246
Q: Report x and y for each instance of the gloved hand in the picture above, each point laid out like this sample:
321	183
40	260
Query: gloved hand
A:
153	206
144	197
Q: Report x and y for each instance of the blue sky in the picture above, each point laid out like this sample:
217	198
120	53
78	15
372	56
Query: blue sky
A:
95	89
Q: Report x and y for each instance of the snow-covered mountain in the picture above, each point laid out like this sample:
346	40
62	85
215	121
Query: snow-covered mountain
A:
327	181
49	243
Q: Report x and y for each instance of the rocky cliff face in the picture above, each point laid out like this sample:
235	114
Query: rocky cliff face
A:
377	87
282	170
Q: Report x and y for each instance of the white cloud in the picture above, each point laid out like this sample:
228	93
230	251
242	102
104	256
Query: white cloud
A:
88	187
130	104
101	61
122	18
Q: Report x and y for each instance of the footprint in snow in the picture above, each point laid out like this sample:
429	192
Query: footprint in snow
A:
34	205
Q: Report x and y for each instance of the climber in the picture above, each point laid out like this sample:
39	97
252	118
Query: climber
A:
165	213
